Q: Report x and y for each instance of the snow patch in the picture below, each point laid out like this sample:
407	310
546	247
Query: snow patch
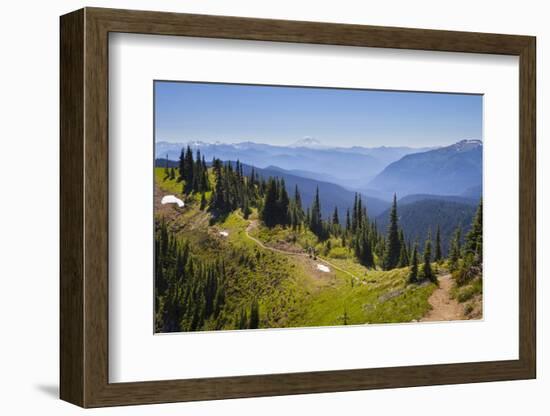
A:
171	199
323	268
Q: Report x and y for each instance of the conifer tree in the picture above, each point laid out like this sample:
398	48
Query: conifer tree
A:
181	165
345	318
254	322
393	246
246	208
403	255
413	274
297	198
474	238
454	250
335	219
242	320
283	203
359	212
363	248
188	167
205	180
427	271
315	219
348	222
166	172
218	201
269	211
354	223
297	209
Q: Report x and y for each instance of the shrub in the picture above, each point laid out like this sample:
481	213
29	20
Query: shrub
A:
338	253
467	271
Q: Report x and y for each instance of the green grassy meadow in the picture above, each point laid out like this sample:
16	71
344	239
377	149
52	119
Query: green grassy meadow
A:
271	266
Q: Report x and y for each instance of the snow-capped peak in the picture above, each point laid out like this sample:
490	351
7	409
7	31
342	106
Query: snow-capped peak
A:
307	142
467	144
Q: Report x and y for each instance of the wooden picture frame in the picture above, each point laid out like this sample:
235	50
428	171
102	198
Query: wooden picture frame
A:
84	207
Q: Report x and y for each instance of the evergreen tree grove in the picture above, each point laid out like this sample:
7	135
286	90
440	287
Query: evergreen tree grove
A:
363	249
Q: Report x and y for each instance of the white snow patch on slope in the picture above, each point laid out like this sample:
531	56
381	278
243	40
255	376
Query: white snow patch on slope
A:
171	199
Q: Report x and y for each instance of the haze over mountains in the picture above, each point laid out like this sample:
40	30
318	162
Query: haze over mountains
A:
450	170
377	171
351	168
433	185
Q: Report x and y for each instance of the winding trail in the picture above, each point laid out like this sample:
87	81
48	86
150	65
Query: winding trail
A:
444	307
253	224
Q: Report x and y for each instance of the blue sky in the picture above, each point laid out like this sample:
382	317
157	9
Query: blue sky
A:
336	117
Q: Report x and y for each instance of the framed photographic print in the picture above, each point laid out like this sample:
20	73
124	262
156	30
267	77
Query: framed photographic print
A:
257	207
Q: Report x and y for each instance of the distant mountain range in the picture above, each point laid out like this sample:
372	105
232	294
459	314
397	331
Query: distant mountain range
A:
331	195
409	199
434	185
351	168
451	170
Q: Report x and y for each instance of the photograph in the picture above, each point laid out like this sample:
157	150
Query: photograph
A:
282	206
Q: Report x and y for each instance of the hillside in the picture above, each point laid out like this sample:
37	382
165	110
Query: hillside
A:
417	218
449	170
347	167
450	198
337	195
271	268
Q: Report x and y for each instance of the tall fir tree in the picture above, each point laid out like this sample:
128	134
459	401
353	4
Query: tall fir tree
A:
413	274
335	219
188	168
403	254
363	248
298	199
269	214
474	239
393	246
427	272
315	222
181	165
354	218
254	321
359	212
282	204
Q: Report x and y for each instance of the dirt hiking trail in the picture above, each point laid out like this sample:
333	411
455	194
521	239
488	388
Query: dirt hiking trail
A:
444	307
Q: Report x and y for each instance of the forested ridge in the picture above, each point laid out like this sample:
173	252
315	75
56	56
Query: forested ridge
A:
199	281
